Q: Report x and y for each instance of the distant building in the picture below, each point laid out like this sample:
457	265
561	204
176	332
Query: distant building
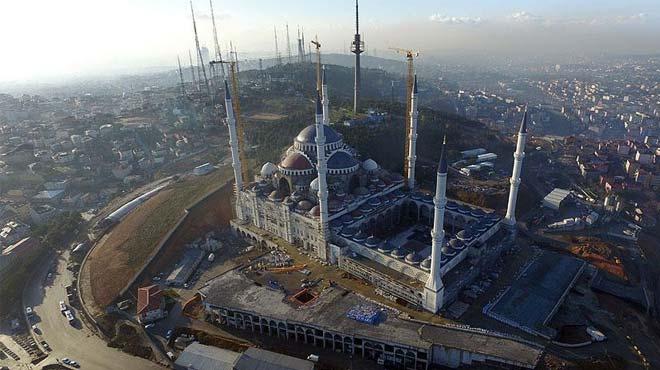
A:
150	304
42	213
203	169
556	198
16	254
202	357
12	232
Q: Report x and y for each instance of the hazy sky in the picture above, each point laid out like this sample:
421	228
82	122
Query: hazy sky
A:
50	38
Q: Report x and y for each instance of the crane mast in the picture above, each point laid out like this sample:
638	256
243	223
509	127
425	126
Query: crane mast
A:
192	71
199	51
410	56
317	44
240	129
218	52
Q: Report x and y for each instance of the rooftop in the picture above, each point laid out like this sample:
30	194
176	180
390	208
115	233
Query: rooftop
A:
330	310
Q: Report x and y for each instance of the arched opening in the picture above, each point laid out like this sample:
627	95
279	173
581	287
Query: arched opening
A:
283	186
353	183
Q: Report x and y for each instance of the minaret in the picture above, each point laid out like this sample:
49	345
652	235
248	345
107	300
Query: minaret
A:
321	169
510	218
412	145
434	288
326	99
233	143
357	48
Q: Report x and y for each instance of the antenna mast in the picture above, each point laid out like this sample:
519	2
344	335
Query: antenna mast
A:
218	52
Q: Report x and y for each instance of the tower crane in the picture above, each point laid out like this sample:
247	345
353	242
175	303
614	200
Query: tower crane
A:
317	44
410	56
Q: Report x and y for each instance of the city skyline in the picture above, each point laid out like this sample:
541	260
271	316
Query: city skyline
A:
81	38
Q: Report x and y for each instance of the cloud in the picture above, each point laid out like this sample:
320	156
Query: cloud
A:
635	18
523	16
445	19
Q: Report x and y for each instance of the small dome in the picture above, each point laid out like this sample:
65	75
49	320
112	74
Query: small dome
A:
308	135
268	169
296	161
348	231
304	205
386	247
372	241
360	237
370	165
455	244
464	235
426	264
314	185
399	253
413	258
315	211
341	160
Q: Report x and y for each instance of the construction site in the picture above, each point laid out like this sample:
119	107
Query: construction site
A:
325	251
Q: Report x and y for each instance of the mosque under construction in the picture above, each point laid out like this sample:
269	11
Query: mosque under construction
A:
372	223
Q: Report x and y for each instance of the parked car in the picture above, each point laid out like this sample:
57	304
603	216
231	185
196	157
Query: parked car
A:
149	326
169	334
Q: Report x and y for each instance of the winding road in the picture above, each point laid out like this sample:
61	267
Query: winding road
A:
75	342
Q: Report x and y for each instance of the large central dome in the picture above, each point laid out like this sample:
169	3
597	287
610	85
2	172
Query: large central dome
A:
308	135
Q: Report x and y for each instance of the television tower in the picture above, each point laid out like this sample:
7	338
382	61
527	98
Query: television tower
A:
357	48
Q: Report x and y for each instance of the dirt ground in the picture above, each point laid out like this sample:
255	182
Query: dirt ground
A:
121	253
107	279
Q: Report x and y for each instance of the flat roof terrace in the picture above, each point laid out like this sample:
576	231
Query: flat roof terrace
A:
233	290
534	297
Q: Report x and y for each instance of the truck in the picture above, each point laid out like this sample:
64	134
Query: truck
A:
69	316
62	307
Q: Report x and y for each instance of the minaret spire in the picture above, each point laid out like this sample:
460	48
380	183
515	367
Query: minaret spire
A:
412	140
510	218
323	186
326	99
233	143
434	288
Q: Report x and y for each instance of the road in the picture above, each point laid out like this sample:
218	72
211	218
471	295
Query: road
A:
77	343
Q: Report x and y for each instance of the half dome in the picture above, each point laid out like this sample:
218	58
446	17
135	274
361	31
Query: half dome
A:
296	161
341	160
